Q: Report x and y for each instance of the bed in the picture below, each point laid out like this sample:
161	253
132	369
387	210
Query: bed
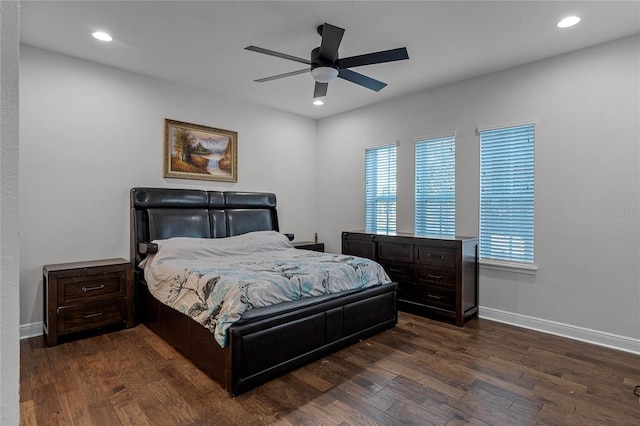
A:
266	341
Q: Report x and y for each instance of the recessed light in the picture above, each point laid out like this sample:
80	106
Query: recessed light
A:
102	36
569	21
318	102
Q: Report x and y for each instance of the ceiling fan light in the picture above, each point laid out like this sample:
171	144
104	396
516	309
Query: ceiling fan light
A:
324	74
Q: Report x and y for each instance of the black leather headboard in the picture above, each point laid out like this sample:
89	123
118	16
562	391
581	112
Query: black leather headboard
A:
160	213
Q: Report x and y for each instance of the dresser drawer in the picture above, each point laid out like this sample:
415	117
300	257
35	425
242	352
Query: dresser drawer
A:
427	295
358	245
437	277
436	256
398	271
395	252
91	287
437	297
406	291
86	317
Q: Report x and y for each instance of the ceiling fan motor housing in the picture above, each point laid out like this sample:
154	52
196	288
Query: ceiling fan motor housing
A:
316	61
322	71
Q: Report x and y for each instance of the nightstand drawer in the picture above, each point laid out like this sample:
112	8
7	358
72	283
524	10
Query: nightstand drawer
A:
86	317
90	287
308	245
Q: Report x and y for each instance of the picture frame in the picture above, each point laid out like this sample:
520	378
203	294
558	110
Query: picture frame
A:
193	151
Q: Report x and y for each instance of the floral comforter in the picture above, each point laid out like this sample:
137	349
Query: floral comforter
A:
215	281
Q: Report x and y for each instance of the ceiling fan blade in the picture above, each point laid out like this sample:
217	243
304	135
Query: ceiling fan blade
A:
287	74
362	80
277	54
320	90
331	38
373	58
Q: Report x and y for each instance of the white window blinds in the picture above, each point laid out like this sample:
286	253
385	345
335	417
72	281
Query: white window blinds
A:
380	188
435	186
506	193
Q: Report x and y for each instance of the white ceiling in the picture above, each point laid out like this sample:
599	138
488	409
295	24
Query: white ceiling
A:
201	43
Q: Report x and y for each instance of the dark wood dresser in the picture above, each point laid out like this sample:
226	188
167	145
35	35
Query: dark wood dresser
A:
86	295
436	275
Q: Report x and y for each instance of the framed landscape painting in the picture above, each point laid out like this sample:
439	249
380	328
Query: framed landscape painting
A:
192	151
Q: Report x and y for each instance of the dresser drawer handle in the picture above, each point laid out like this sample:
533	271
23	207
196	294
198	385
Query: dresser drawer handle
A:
99	314
433	296
100	287
395	270
397	252
436	256
435	277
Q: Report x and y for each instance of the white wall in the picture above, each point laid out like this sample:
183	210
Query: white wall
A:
586	106
89	133
9	239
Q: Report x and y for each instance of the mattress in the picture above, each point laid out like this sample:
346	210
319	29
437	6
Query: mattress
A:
216	281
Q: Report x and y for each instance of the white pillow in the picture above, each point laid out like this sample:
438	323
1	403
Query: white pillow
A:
252	242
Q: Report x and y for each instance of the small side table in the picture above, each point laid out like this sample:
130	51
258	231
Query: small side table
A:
86	295
308	245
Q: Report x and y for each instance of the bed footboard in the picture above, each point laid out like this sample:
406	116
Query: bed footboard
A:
268	346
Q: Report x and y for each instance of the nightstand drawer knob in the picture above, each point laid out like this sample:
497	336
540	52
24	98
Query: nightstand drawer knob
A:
100	287
99	314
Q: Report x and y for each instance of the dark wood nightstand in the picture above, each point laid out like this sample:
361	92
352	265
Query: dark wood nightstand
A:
308	245
86	295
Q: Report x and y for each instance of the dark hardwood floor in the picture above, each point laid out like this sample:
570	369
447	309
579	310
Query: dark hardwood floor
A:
422	372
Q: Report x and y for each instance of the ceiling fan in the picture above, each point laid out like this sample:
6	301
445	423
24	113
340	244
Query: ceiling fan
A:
326	66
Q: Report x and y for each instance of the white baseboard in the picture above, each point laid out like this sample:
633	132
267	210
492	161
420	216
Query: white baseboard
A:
31	330
614	341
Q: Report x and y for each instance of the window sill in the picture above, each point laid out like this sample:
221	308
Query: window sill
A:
498	265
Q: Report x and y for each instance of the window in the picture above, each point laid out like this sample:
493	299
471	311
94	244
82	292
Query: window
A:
506	193
435	189
380	189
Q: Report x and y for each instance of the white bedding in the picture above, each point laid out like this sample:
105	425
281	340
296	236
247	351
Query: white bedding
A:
214	281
